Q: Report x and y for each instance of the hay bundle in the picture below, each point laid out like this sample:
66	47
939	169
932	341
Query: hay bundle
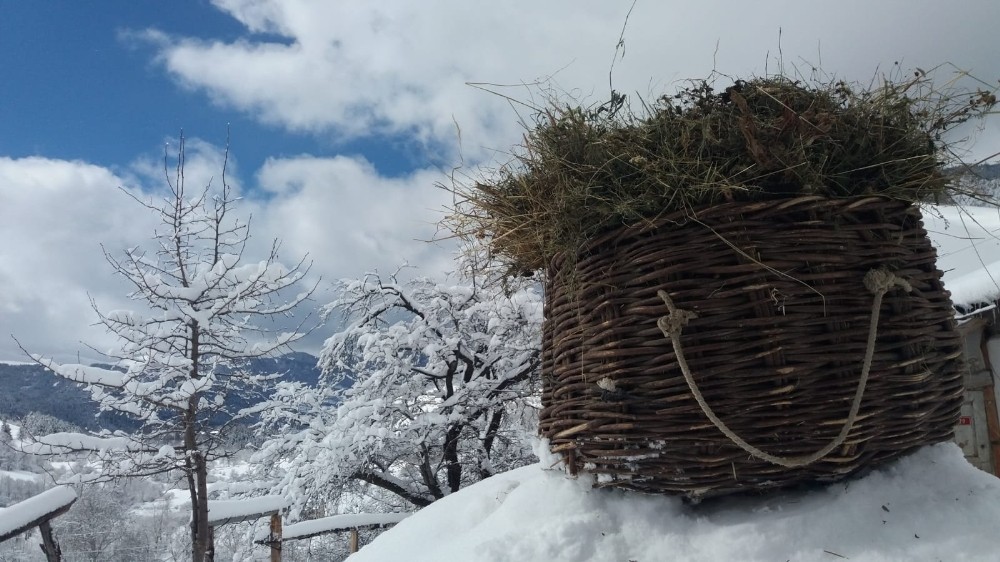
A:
582	171
709	325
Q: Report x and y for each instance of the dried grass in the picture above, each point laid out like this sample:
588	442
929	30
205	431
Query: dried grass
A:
584	170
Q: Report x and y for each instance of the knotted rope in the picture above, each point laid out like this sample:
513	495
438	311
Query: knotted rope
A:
878	281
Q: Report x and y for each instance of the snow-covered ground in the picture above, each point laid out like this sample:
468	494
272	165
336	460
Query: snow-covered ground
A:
931	506
22	475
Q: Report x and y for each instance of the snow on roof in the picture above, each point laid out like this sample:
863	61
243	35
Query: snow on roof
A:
221	512
975	288
932	505
967	240
35	510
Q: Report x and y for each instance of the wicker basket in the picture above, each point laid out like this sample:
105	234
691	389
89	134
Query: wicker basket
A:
776	348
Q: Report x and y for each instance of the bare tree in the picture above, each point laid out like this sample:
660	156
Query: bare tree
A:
178	363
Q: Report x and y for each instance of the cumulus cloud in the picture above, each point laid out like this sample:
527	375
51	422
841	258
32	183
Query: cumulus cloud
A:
399	69
339	211
59	217
59	213
351	220
355	69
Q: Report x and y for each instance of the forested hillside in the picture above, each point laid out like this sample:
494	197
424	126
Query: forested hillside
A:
28	387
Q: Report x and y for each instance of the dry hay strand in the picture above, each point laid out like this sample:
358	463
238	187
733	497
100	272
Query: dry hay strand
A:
582	171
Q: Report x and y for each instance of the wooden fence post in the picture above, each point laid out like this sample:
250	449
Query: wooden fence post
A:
49	545
37	511
353	546
351	523
223	512
275	537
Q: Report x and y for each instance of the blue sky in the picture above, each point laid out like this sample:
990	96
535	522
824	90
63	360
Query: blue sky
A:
346	115
79	84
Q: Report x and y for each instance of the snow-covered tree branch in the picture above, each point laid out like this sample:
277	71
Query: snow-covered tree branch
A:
428	387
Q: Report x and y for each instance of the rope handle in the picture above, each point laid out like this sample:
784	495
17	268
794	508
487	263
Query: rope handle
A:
878	281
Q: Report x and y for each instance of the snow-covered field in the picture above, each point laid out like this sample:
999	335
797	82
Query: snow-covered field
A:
932	506
23	475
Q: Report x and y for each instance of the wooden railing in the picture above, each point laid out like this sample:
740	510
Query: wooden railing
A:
236	511
38	511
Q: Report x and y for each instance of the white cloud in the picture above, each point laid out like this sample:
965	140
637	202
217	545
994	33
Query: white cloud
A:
338	210
344	70
351	220
401	67
54	217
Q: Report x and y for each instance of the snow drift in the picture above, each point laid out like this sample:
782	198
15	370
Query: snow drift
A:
930	506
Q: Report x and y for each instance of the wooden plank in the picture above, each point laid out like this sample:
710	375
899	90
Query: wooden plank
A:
992	426
222	512
992	415
341	523
63	496
974	347
336	524
973	323
978	381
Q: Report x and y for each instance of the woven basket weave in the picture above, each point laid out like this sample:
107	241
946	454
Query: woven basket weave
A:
776	348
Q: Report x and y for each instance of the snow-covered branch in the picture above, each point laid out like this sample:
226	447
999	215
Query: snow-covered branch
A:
442	382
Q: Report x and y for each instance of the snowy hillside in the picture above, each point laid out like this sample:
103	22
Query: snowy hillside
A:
932	506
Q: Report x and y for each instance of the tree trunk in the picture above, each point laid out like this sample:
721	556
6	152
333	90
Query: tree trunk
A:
453	469
201	540
193	492
202	543
210	553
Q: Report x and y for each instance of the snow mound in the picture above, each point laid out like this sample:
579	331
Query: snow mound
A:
930	506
